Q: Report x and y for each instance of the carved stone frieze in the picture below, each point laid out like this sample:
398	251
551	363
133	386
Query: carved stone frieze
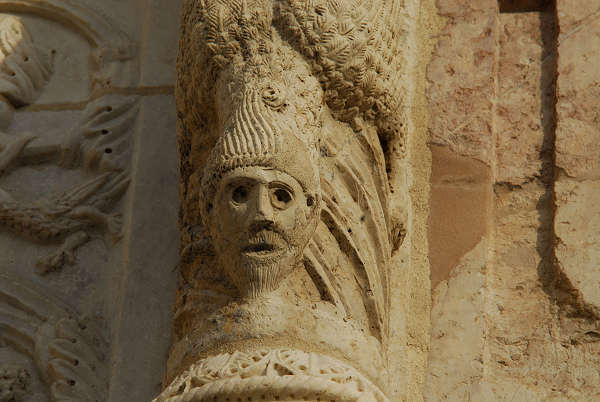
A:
100	144
68	352
66	145
113	54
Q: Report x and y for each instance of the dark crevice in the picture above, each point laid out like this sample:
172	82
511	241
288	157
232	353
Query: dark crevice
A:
546	237
524	6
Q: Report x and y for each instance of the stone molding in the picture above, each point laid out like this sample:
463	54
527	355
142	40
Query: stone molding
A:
271	375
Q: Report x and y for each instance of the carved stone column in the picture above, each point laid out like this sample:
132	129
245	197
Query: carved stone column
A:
292	203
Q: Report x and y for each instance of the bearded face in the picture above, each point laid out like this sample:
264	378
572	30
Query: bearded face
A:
261	222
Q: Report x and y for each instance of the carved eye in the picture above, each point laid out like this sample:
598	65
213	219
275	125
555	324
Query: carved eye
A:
281	198
240	195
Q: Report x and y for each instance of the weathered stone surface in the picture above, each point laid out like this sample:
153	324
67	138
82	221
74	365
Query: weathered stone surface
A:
456	357
578	232
539	291
143	307
158	49
578	89
576	190
89	243
461	77
524	71
295	162
83	202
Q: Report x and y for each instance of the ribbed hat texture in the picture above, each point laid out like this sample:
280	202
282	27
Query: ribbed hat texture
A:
259	135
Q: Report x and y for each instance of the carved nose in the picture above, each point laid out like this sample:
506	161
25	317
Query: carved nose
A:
264	209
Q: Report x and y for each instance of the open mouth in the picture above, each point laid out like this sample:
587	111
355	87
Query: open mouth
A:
261	249
264	243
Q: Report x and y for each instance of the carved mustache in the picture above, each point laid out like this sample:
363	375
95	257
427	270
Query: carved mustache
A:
264	237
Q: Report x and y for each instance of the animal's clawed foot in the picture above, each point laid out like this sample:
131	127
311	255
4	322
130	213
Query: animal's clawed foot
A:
55	261
64	255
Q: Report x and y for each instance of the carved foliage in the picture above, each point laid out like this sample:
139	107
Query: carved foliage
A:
353	48
64	349
113	59
24	68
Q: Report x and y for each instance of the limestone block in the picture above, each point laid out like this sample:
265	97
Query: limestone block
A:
456	356
578	231
524	85
143	311
461	77
573	14
577	145
158	50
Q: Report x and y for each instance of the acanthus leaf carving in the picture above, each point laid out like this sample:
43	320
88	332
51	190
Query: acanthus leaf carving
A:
24	68
114	57
63	347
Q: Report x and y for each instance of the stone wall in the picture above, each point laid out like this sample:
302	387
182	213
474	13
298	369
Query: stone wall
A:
512	227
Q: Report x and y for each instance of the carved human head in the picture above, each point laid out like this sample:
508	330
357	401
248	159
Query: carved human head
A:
261	193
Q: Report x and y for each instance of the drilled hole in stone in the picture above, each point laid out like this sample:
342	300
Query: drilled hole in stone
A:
108	151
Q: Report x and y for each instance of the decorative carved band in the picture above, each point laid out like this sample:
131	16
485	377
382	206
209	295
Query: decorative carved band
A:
271	375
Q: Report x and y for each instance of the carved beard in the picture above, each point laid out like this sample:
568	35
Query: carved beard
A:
264	259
